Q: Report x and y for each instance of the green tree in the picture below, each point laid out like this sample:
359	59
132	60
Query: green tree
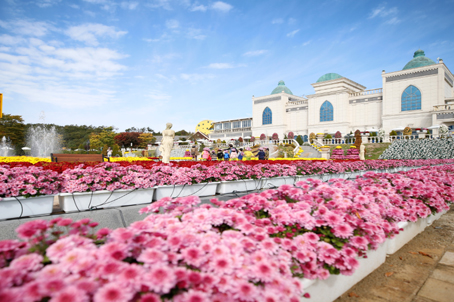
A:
300	140
145	139
105	137
13	127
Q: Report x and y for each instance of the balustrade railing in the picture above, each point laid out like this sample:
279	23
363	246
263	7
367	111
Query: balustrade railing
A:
367	92
443	107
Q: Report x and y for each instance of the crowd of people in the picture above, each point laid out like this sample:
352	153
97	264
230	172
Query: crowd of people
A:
231	153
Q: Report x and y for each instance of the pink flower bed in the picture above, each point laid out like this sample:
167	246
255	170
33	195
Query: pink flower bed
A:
30	181
252	248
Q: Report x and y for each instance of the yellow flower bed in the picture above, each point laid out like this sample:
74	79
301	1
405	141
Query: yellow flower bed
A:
338	147
353	147
24	159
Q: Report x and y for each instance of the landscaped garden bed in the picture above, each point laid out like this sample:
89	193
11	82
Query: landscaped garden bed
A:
259	247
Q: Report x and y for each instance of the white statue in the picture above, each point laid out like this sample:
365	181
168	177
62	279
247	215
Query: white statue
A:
381	133
362	149
443	130
167	143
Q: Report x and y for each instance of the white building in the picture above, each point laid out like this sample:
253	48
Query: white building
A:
420	95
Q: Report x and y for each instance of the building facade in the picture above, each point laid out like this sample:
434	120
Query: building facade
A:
421	95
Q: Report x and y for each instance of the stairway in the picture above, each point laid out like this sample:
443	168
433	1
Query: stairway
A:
309	152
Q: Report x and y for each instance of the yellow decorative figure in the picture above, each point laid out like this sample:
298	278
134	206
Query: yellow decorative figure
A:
205	126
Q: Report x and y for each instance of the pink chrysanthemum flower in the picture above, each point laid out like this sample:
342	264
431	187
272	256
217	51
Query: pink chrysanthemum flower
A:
112	292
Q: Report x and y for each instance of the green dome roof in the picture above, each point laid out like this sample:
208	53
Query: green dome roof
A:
329	76
281	87
419	60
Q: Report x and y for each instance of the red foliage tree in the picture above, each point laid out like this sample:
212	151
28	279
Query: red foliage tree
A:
262	136
338	135
252	139
240	139
126	138
275	136
291	135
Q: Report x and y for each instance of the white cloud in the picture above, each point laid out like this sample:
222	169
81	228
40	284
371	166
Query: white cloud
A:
41	71
291	34
277	21
291	21
27	28
165	4
307	43
89	32
389	14
75	6
90	13
194	33
10	40
220	66
195	77
171	24
221	6
157	95
393	20
129	5
254	53
46	3
200	8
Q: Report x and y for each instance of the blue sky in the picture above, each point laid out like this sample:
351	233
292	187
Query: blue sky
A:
145	63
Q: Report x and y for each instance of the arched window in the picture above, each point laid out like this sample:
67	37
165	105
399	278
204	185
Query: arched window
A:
411	99
267	117
326	112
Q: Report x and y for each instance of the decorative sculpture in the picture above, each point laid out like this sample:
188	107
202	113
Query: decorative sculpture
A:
381	133
407	131
358	139
167	143
443	130
362	149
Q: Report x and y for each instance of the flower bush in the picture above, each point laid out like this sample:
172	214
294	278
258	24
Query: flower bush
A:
25	179
252	248
28	182
27	159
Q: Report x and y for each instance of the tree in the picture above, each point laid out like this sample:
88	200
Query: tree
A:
106	137
145	139
126	138
338	134
13	127
275	136
262	136
252	139
291	135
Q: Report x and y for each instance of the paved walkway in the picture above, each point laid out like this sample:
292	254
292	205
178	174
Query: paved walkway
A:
421	271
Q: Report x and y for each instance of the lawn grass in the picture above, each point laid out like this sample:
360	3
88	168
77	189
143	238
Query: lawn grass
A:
373	151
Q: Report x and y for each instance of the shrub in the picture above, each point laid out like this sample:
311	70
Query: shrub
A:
393	133
262	136
240	139
407	131
338	135
252	139
275	136
300	140
328	136
291	135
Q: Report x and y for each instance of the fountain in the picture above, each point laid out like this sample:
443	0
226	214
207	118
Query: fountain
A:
43	140
5	148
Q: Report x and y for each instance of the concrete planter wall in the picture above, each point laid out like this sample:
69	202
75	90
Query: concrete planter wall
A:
330	289
15	207
242	185
201	189
76	202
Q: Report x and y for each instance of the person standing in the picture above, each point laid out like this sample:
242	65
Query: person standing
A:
240	154
226	155
194	152
261	154
220	154
206	153
267	153
109	152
